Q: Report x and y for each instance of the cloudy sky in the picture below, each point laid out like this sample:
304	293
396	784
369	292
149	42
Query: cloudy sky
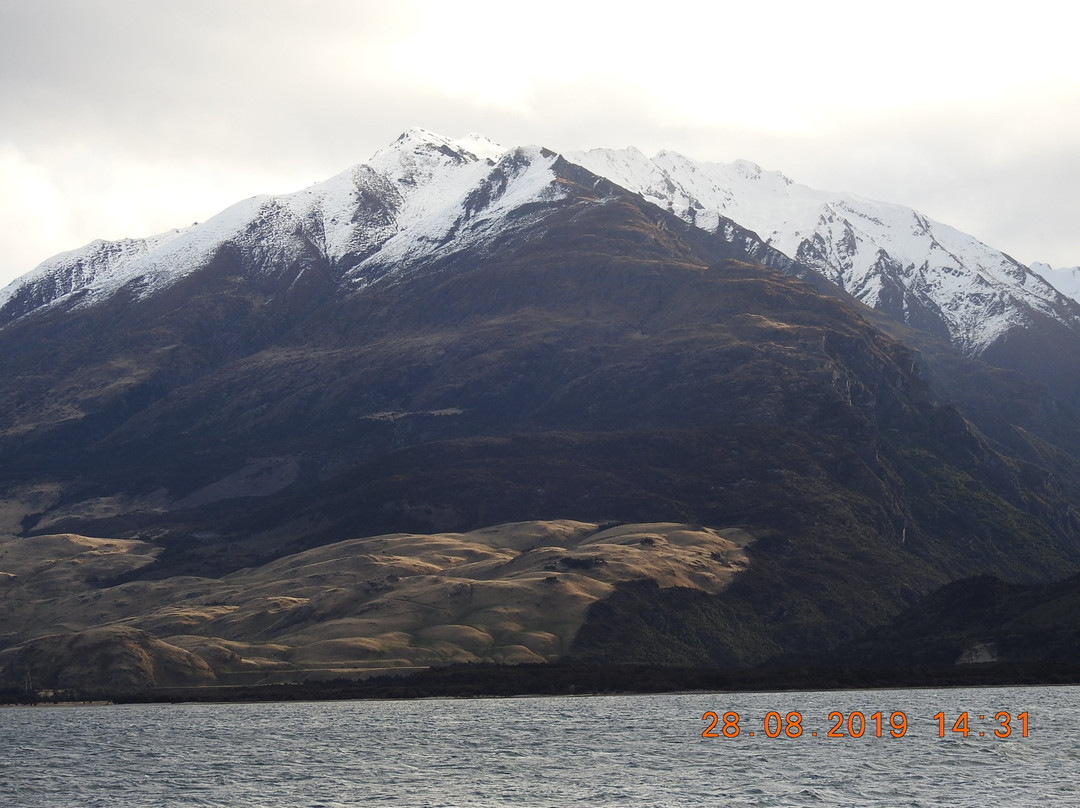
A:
128	117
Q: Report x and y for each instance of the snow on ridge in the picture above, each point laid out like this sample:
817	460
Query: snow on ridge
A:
419	172
74	269
418	175
427	191
481	146
101	268
410	196
874	250
421	144
1065	279
468	207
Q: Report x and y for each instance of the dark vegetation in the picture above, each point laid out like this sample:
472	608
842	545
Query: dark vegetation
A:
1013	623
1035	624
561	679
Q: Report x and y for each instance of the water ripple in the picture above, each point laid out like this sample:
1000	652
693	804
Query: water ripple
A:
589	751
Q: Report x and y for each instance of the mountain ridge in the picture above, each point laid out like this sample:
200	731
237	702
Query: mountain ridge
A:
426	189
1065	279
888	256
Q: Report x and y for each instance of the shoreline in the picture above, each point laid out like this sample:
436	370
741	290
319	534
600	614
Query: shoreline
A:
503	681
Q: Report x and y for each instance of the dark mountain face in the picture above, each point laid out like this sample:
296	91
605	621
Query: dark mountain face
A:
599	360
976	620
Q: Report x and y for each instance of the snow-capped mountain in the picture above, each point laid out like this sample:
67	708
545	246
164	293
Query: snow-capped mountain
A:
426	196
422	192
890	257
454	336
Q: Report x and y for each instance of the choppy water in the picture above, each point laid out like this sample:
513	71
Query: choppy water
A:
589	751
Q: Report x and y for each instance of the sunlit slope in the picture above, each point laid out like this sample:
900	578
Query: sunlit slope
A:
510	593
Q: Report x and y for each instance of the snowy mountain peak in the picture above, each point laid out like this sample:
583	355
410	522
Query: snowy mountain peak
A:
425	196
375	218
419	141
888	256
467	205
482	147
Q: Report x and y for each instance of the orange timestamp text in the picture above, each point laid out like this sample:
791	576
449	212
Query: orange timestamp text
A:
857	724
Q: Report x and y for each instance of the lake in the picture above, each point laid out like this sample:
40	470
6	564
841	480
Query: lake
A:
914	748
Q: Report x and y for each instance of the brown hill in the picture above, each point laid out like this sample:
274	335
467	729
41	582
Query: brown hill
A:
511	593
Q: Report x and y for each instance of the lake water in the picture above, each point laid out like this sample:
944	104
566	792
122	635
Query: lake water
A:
574	751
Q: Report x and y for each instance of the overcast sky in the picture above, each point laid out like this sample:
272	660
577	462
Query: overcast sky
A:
128	117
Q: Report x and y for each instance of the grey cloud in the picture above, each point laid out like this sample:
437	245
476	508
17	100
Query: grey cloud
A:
290	88
169	76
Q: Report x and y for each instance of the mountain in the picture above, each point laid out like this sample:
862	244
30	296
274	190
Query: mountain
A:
419	192
380	216
284	426
385	217
892	258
